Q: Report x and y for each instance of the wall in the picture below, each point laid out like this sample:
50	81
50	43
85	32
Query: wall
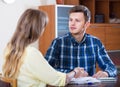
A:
9	15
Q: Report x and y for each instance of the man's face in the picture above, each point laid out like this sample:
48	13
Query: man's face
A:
77	23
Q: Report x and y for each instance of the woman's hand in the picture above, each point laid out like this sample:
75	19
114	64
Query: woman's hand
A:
80	72
76	73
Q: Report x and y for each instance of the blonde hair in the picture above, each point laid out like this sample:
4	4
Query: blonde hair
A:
30	27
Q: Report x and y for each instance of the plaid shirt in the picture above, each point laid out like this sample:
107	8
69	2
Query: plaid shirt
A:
65	53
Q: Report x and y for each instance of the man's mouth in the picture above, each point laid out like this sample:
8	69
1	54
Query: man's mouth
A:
72	28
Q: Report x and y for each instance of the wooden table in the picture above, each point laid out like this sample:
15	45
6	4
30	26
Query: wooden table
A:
102	84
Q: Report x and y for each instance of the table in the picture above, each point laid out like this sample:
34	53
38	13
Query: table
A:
102	84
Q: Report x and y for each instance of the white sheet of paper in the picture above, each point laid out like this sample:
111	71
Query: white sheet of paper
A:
84	80
105	79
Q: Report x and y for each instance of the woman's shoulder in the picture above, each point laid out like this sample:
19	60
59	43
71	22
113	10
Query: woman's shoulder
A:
32	51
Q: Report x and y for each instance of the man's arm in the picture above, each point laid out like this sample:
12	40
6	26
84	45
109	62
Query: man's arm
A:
105	63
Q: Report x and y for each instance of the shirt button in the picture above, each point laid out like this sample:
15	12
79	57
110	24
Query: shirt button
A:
74	44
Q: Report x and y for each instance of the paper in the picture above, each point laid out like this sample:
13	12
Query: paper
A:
84	80
105	79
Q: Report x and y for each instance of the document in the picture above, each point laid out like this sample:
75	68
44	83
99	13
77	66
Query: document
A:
91	80
84	80
108	79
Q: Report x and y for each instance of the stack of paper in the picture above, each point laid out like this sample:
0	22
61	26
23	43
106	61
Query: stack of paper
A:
84	80
108	79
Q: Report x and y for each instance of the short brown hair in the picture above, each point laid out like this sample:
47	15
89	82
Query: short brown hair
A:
83	9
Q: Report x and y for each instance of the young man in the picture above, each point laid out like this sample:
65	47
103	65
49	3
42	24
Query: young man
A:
78	48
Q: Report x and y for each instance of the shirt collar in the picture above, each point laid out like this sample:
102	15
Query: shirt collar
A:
74	40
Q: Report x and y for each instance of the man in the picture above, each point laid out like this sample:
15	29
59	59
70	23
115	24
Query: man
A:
78	48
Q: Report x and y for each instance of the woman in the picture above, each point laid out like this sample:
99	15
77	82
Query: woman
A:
26	63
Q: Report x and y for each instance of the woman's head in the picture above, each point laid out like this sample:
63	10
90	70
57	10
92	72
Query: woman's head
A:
30	26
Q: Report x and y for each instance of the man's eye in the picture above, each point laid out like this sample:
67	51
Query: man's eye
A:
77	20
70	19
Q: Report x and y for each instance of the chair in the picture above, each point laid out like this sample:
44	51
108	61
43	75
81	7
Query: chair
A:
7	82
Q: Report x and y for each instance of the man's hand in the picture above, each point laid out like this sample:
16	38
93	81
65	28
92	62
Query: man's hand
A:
100	74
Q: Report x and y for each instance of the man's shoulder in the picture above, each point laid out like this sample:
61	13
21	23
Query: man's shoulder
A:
66	36
92	37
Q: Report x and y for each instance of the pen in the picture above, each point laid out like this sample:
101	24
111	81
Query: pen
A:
90	83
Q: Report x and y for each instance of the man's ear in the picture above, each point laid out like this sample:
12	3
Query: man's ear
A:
87	24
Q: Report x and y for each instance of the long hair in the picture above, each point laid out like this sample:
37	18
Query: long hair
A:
30	26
